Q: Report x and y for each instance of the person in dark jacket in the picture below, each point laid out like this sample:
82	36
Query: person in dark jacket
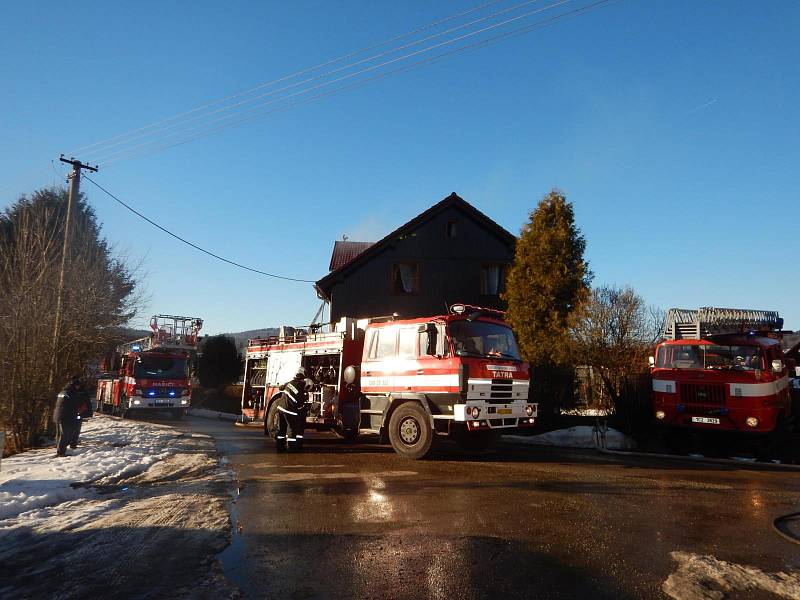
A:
66	416
292	412
84	408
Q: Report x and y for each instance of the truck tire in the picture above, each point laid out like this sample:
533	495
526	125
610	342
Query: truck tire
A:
410	431
271	421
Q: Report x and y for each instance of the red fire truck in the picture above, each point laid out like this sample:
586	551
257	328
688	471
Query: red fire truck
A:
407	381
152	373
721	369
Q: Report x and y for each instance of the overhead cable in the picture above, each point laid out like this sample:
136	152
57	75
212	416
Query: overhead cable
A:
164	144
187	242
290	76
231	108
105	159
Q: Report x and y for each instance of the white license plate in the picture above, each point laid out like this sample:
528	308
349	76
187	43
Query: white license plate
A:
708	420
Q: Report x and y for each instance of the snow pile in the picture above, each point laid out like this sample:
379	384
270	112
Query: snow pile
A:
708	578
130	491
109	450
581	436
587	412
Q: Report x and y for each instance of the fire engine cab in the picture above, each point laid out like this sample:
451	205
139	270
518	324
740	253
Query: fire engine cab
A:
722	369
457	375
152	373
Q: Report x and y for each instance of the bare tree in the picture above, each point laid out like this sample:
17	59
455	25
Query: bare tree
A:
614	334
98	298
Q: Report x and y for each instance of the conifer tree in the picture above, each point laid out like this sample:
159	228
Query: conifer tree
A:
547	282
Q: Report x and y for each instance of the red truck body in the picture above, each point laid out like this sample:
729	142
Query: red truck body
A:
462	370
152	373
728	374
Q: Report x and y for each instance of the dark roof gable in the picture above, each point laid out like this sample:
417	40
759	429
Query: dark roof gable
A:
344	251
453	200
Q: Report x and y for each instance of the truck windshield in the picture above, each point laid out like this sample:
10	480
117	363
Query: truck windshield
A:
479	338
702	356
160	367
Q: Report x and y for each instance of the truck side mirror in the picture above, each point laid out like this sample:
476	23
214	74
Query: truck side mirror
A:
430	329
651	360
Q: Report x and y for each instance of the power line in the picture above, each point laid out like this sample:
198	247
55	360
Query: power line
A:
187	242
293	75
131	154
231	107
348	76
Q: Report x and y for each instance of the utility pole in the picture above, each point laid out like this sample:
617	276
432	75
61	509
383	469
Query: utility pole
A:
74	179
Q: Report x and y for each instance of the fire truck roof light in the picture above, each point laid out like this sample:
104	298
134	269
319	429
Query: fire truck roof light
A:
458	309
151	393
136	348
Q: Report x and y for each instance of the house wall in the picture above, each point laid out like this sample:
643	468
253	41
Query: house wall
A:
449	271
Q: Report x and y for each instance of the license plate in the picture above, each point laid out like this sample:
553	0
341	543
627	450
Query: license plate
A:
708	420
504	411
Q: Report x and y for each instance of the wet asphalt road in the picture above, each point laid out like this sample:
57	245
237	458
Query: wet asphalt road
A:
346	520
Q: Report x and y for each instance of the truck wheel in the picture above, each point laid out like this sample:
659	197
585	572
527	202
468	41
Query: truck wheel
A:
271	421
410	431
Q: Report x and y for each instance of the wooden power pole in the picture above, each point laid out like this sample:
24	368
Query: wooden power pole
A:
74	179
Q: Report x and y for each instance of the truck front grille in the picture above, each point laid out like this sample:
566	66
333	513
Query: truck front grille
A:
501	391
704	398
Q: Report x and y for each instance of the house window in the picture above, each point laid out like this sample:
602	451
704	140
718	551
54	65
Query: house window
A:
451	229
405	278
492	280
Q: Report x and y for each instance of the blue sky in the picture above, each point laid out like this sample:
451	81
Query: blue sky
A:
672	126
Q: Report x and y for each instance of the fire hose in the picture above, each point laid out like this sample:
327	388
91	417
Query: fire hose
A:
781	527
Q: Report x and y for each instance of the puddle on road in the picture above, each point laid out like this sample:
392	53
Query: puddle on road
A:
232	557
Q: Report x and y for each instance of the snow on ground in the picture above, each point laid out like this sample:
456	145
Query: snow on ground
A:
708	578
587	412
109	451
581	436
130	492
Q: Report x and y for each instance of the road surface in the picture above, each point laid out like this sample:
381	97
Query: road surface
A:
348	520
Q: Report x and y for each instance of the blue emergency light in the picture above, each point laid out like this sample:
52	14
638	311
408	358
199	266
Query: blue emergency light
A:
136	348
151	393
172	392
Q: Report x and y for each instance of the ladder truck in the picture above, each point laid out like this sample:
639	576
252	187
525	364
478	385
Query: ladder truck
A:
408	381
153	372
722	369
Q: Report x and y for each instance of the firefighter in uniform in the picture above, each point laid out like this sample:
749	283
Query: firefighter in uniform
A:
292	412
66	415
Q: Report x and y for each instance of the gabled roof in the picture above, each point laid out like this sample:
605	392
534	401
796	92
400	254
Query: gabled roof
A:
452	201
345	251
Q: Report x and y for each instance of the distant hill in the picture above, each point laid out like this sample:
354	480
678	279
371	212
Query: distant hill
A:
126	334
241	337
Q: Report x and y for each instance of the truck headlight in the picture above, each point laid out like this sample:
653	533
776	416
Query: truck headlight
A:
475	412
529	410
751	422
660	415
137	402
184	402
